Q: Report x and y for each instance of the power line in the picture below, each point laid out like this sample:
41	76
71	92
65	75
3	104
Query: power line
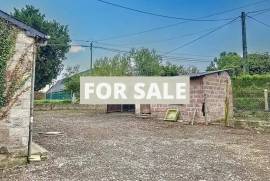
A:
259	11
162	53
164	57
202	36
127	51
111	49
258	21
159	41
183	59
144	31
239	7
179	23
159	15
186	60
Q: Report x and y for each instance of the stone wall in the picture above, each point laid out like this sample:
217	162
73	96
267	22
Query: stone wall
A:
15	126
209	92
216	87
186	111
97	108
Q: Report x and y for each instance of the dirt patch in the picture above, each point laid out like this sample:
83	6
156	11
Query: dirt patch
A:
122	147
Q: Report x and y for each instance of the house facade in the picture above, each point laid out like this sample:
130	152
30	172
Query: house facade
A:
15	115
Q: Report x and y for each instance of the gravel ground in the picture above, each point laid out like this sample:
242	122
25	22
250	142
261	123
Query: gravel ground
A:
122	147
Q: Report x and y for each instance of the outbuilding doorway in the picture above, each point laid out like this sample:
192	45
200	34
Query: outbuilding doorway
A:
121	108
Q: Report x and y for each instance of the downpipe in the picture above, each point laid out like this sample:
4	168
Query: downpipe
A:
29	153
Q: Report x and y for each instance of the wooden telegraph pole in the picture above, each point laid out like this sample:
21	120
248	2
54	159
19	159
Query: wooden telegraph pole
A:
91	56
244	41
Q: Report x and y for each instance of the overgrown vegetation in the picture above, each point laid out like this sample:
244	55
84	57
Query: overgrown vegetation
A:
248	87
55	102
8	36
252	82
248	91
257	63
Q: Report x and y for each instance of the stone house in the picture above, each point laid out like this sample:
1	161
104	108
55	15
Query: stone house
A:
210	96
16	115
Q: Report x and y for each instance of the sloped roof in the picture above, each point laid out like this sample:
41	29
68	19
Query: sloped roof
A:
28	29
202	74
58	86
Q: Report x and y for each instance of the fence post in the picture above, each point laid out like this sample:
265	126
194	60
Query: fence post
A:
266	106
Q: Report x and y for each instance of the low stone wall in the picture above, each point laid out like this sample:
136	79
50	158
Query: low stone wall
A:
98	108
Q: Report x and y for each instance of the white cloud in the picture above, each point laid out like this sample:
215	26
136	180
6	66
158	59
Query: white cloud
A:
76	49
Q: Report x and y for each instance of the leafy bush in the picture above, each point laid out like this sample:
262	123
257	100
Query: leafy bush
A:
47	101
252	81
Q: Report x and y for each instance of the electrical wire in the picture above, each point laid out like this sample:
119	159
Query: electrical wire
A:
258	21
179	58
179	23
158	41
159	15
259	11
202	36
183	59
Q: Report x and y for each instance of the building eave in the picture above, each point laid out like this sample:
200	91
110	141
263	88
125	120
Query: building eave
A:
31	32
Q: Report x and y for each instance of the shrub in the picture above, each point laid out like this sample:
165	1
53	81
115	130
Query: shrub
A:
47	101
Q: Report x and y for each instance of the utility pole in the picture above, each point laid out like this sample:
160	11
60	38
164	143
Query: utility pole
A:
244	40
91	56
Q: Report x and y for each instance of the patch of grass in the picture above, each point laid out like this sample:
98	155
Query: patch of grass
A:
248	92
54	101
249	103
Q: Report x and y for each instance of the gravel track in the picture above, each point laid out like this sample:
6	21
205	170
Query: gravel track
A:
122	147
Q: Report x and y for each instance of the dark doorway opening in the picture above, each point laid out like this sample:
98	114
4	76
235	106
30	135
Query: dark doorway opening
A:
121	108
145	108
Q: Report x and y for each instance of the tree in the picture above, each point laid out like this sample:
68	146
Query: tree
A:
115	66
171	69
258	63
72	84
191	70
70	71
50	57
212	66
226	61
146	62
141	62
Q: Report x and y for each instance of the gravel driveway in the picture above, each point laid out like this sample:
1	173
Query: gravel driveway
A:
122	147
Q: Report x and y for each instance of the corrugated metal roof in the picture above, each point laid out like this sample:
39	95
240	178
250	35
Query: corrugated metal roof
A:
29	30
206	73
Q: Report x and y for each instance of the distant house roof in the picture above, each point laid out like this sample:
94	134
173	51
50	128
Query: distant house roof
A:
57	87
202	74
29	30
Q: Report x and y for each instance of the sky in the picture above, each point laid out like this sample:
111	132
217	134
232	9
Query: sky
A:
96	21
